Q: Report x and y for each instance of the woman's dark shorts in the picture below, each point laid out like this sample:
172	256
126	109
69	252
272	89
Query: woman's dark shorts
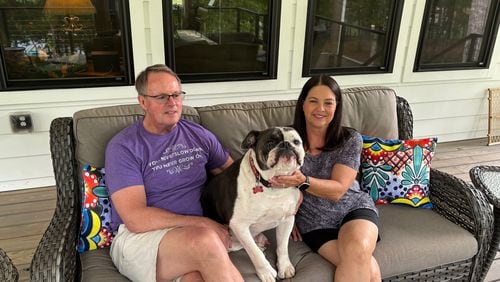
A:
316	238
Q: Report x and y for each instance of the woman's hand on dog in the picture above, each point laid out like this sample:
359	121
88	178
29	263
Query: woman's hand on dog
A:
285	181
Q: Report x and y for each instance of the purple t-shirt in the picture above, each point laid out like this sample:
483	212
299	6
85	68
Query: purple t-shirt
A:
172	167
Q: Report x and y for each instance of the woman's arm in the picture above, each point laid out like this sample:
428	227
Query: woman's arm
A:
334	188
341	179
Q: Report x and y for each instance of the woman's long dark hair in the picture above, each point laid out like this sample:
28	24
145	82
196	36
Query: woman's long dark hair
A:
336	134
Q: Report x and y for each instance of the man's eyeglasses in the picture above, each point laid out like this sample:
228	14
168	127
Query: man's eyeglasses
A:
163	98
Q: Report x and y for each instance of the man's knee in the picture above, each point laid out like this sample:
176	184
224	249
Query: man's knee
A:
205	240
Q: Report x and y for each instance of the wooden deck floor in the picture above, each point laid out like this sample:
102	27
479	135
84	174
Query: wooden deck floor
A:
25	214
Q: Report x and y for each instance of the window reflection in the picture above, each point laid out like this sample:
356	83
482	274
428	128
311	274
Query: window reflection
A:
55	40
456	34
351	36
220	36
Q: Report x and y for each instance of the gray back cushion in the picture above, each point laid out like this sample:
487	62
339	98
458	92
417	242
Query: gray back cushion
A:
371	110
93	128
232	122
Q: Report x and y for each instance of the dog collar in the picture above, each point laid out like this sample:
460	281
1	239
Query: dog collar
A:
257	174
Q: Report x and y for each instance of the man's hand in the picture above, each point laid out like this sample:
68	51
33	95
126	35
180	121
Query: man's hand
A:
220	229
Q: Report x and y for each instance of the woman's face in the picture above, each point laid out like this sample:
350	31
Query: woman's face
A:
319	107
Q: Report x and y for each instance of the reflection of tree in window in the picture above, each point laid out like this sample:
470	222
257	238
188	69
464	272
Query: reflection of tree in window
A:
454	31
349	33
217	36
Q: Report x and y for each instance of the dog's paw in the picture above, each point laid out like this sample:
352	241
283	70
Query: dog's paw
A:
267	274
286	271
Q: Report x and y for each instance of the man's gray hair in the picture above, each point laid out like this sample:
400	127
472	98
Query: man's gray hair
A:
141	82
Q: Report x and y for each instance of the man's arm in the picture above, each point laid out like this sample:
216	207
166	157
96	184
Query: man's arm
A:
130	203
227	164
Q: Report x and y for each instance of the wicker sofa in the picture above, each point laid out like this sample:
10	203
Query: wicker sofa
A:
449	242
8	271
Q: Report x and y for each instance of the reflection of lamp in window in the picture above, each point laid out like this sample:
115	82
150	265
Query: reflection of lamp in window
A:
70	8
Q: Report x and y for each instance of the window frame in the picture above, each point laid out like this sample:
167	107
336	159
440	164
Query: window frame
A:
80	82
485	53
390	45
271	56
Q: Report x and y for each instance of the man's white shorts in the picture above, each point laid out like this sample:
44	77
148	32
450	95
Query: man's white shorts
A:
134	254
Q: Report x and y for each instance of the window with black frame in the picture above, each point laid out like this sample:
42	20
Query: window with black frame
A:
64	43
221	40
457	34
351	36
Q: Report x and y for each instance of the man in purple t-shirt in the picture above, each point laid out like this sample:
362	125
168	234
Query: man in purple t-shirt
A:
155	170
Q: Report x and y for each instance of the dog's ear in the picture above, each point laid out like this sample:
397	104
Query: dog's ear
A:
250	140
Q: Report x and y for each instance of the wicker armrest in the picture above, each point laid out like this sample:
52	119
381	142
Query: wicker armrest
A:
8	271
486	178
55	258
466	206
405	118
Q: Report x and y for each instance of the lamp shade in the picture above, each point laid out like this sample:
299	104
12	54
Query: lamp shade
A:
69	7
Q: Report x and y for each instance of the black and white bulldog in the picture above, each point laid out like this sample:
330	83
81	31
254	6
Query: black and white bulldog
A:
241	196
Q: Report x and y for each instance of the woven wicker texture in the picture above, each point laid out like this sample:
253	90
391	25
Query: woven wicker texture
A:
487	180
8	272
450	272
56	258
493	116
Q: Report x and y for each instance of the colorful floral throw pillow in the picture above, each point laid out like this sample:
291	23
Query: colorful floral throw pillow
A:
96	211
397	171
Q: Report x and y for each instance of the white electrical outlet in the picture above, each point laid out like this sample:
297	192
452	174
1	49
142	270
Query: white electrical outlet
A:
21	122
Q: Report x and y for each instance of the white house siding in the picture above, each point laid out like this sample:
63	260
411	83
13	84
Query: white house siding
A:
451	105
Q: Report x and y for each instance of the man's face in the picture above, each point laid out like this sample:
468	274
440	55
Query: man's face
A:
161	116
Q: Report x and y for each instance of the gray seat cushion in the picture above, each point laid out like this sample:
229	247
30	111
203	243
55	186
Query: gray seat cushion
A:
411	240
309	266
98	266
414	239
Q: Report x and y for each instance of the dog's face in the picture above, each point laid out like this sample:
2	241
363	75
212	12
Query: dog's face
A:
278	148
